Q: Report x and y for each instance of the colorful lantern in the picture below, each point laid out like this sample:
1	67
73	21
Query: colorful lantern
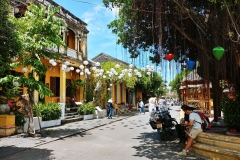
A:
218	52
191	64
176	56
169	56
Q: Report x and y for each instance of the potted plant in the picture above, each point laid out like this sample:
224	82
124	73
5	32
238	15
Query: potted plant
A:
87	110
67	105
231	113
8	92
50	114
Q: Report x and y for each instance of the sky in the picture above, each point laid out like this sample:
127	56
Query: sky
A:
102	40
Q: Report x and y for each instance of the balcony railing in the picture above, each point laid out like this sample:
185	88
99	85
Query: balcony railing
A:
72	53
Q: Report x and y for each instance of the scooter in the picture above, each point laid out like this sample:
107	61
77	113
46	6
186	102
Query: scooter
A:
164	123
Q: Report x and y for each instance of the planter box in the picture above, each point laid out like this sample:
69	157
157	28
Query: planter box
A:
100	113
51	123
7	120
87	117
7	131
35	121
44	124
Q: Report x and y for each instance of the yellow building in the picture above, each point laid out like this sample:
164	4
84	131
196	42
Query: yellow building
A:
118	91
65	69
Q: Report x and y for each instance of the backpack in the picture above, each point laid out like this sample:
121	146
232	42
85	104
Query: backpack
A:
205	125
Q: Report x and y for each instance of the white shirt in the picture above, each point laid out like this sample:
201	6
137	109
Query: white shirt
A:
161	102
141	104
196	118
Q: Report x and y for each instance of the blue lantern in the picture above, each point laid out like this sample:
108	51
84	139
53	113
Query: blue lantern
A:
191	64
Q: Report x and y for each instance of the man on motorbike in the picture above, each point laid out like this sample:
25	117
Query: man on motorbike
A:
161	102
193	128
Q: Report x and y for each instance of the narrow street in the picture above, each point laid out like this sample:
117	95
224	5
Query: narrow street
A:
131	138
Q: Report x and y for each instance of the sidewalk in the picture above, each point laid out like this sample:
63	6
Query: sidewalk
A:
13	144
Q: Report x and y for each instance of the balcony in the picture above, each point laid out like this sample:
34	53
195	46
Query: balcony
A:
72	53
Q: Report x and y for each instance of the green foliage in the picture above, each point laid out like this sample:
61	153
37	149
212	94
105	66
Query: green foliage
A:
89	95
231	112
73	86
68	105
8	91
48	131
19	118
38	32
176	83
150	84
48	111
86	108
10	44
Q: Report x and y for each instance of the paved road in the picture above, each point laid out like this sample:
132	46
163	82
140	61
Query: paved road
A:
129	139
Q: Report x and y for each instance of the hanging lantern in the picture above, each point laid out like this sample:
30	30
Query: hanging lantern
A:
191	64
169	56
176	56
218	52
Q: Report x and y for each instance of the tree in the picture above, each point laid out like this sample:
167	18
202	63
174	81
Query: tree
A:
190	29
39	33
10	44
176	83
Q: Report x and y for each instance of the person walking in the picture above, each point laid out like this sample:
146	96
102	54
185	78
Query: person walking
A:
141	106
110	108
193	129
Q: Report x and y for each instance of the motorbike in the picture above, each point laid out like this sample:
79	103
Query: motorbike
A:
162	121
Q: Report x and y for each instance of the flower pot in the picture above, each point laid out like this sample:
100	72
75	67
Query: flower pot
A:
4	108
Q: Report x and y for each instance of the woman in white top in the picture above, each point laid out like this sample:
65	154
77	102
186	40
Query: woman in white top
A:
152	104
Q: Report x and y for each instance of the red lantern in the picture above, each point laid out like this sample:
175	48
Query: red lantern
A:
169	56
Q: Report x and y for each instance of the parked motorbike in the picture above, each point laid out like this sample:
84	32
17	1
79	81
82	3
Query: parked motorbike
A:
164	123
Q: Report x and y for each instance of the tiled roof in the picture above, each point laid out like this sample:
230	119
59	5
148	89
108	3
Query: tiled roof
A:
102	57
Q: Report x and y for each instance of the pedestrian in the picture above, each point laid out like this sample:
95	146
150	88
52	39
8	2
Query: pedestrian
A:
193	128
110	108
141	106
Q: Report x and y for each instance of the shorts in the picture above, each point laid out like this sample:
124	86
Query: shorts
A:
194	132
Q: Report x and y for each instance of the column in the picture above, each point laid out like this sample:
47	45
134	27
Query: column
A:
62	91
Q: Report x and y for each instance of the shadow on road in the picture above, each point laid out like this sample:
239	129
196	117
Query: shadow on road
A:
34	154
153	148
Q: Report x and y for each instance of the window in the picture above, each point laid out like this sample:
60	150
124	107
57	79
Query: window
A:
55	86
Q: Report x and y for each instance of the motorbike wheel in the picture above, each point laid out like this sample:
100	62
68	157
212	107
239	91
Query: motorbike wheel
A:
173	131
163	136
